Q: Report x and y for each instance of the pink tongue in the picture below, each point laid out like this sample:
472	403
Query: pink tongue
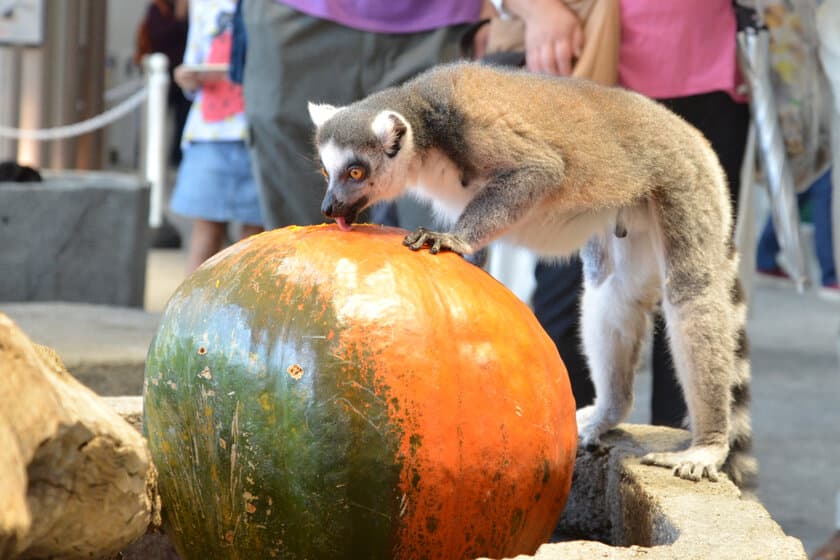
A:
342	224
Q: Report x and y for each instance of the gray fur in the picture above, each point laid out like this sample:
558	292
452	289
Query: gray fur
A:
737	294
557	165
742	345
595	269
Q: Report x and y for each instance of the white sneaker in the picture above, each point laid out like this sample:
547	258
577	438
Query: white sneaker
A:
829	293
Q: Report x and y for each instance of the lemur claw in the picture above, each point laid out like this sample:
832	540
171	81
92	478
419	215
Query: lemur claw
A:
436	241
695	463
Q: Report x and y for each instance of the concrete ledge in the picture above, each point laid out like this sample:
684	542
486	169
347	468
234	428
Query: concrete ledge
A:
646	512
103	346
638	511
76	236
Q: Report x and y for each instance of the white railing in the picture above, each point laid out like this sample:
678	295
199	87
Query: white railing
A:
157	84
153	90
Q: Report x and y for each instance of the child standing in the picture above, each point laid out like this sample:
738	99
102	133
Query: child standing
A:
215	184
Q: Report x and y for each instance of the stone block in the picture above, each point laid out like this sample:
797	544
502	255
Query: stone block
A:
103	346
76	236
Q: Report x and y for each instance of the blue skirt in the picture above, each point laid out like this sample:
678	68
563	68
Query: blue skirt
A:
215	183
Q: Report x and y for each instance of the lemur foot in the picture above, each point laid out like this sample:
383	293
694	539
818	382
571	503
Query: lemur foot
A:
695	463
436	241
592	422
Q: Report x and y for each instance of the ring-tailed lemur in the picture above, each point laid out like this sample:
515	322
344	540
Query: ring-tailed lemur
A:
560	165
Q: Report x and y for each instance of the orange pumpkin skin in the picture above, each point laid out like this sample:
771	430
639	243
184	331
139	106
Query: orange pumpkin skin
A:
424	351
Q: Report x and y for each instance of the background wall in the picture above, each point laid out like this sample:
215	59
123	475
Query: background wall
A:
88	46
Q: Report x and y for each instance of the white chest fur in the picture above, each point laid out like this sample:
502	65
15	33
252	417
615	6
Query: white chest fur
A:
552	233
436	179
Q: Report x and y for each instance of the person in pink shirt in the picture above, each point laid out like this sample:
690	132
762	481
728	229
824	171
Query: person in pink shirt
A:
678	48
682	53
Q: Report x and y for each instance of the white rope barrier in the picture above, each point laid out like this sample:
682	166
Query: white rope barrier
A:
68	131
153	91
123	90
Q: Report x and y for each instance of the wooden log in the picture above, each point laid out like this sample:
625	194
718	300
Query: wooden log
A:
76	480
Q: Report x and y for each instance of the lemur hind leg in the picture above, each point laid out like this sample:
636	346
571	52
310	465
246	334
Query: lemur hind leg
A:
700	346
620	287
700	316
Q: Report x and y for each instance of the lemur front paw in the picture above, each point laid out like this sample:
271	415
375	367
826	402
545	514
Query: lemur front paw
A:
695	463
436	241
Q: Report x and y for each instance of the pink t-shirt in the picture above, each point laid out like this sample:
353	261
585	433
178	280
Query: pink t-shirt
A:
676	48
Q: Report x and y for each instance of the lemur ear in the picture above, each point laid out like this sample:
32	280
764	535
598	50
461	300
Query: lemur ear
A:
321	113
390	128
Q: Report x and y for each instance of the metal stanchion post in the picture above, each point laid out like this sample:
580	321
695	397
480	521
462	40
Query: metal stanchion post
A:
157	76
745	227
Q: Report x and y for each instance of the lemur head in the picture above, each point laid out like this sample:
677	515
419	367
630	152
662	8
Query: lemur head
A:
364	157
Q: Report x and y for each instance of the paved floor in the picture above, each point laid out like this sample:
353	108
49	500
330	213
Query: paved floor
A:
796	410
796	398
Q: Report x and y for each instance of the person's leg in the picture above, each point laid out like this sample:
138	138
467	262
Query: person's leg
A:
556	303
724	122
768	244
180	109
292	59
391	59
242	193
767	249
830	550
249	229
207	239
820	195
667	402
408	55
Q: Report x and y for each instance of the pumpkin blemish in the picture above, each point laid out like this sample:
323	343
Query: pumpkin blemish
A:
295	371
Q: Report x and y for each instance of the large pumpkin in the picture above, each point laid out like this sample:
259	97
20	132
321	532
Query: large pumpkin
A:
321	394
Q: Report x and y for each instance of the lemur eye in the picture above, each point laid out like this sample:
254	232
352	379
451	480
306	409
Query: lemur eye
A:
356	173
324	173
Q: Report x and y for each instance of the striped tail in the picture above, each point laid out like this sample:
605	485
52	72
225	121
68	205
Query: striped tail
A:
740	465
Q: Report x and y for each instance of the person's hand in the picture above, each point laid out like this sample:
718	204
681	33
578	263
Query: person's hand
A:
187	80
553	38
488	11
480	41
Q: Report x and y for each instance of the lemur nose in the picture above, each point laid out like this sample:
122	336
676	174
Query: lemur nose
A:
328	206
